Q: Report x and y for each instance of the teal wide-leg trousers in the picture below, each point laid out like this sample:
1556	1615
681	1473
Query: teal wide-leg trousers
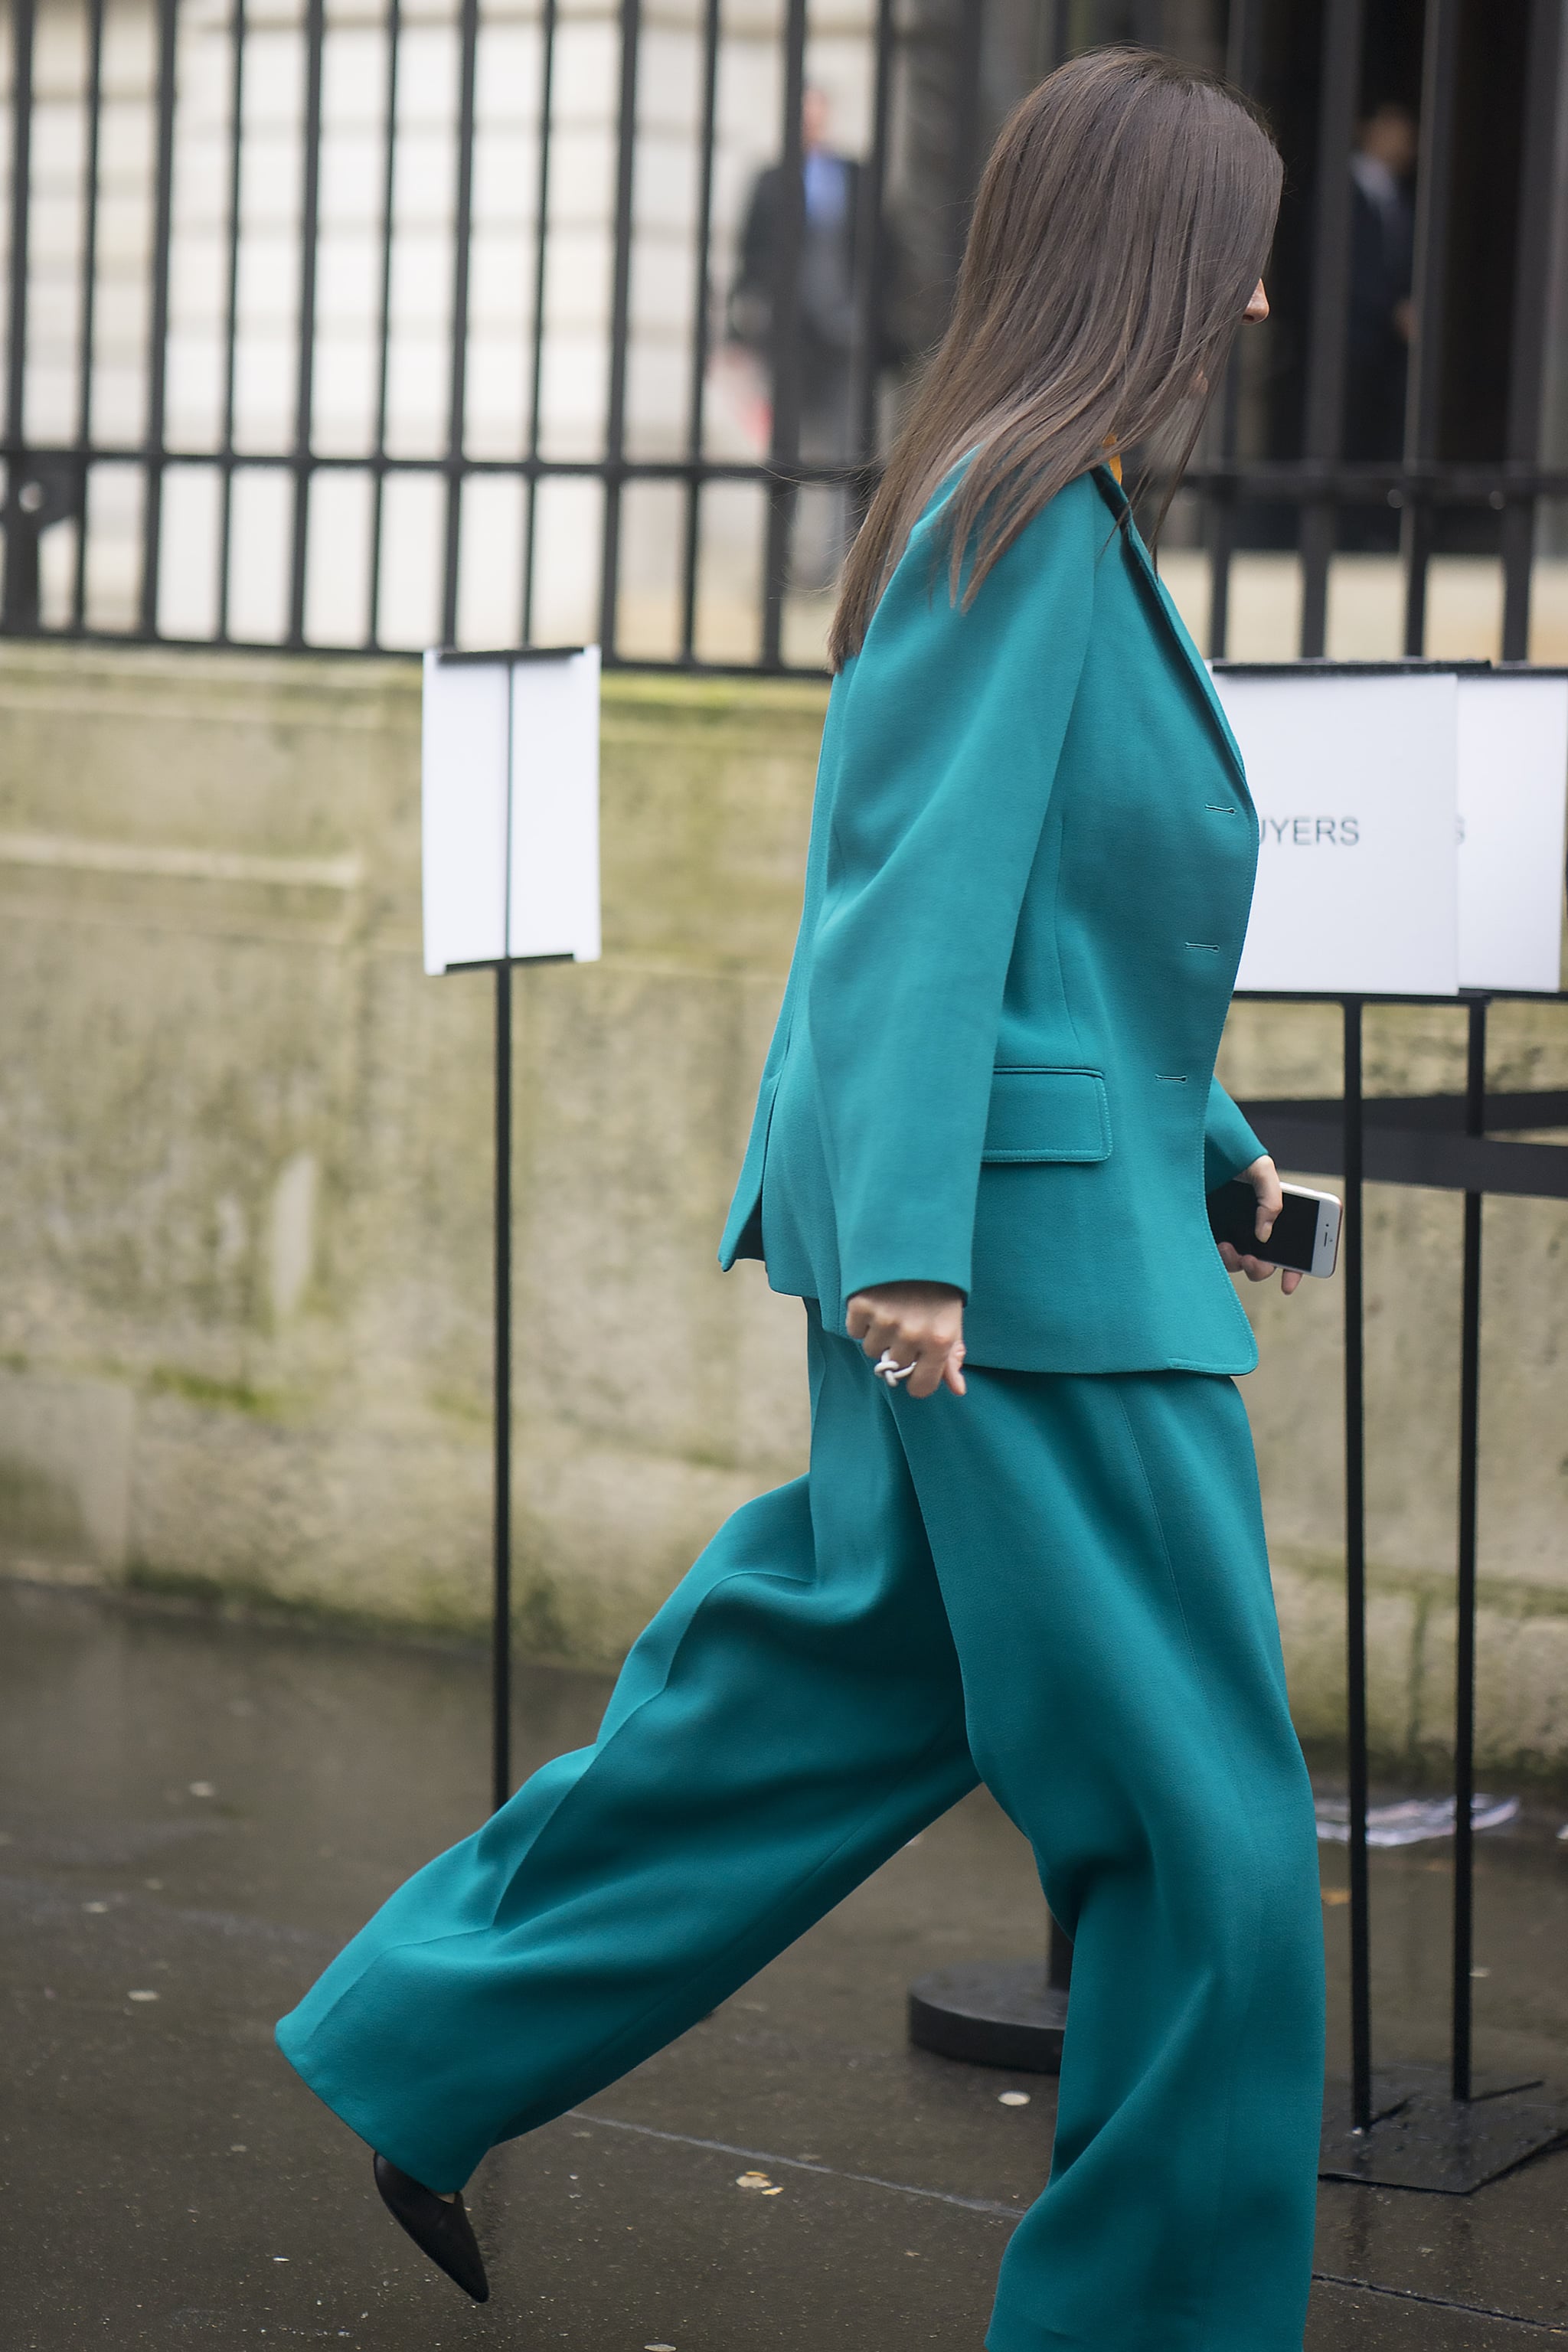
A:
1057	1583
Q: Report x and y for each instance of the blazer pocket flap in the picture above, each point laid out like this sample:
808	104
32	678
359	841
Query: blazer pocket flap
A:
1040	1114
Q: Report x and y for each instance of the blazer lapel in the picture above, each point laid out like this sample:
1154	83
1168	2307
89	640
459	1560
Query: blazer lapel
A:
1116	498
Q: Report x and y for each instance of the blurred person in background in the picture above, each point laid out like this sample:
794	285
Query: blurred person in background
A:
828	360
1029	1549
1382	249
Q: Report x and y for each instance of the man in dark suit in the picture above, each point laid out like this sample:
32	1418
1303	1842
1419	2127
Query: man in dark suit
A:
1383	240
830	356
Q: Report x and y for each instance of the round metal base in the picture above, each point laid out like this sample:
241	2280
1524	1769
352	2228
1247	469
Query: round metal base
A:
992	2013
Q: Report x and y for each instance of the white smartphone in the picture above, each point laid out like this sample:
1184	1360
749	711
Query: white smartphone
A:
1306	1233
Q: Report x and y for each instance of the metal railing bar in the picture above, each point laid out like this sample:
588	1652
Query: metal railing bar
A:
383	319
1527	355
966	155
1464	1632
1432	1114
1243	43
783	339
88	326
1395	1153
533	474
111	640
157	319
305	356
1353	1135
315	461
16	592
1468	486
870	258
456	387
1434	195
231	312
702	300
620	324
1323	426
1462	480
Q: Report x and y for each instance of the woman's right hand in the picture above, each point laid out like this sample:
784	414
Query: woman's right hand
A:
918	1323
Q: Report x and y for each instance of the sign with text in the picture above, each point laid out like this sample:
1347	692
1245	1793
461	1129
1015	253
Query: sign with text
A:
1513	800
1356	781
509	805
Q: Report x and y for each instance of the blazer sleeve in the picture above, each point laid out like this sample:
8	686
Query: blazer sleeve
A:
1229	1144
954	725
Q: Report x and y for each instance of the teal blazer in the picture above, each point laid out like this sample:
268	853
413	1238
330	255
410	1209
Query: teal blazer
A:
1031	861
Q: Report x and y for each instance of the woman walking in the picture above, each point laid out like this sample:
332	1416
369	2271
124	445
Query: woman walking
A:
1029	1548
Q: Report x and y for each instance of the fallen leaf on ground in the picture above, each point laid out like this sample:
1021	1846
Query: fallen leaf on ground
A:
753	2180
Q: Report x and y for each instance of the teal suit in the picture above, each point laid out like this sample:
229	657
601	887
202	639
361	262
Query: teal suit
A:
1031	863
993	1069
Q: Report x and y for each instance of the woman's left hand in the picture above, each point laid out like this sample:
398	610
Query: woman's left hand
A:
1264	1179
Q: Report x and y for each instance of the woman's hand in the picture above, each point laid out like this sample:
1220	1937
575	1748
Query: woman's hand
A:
918	1323
1264	1179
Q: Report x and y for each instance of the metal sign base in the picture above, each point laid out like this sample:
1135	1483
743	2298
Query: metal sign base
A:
1421	2137
992	2013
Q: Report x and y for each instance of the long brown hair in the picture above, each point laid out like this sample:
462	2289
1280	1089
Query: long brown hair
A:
1123	221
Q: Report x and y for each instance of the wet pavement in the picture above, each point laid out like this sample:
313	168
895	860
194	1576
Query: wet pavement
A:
193	1815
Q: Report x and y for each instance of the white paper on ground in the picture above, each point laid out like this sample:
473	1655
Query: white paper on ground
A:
1355	780
1411	1821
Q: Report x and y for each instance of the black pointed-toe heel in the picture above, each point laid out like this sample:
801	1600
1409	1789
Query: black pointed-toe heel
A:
441	2230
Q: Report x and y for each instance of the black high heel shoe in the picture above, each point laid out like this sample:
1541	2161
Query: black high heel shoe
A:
440	2230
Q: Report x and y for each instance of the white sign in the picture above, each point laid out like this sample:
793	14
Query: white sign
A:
510	807
1355	780
1513	793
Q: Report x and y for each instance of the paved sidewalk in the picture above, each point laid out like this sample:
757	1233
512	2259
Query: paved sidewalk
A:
200	1811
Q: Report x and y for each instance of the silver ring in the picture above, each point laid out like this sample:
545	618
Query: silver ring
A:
887	1367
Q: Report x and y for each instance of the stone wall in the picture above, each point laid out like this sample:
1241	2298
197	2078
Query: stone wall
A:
244	1235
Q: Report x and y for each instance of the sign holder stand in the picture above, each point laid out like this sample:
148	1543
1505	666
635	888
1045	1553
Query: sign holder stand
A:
501	1554
512	877
1442	2130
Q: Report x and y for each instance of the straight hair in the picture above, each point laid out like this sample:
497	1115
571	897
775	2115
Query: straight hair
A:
1123	221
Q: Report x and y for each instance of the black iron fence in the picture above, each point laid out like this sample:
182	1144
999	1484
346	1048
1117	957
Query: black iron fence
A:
386	322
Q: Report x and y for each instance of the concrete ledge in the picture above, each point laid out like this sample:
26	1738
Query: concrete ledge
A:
245	1279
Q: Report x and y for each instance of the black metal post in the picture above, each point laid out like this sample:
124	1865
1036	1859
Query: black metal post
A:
1527	355
231	313
88	331
457	374
1465	1643
19	600
1324	431
547	29
501	1631
1355	1572
620	327
305	351
158	316
384	323
871	263
1439	74
783	341
1244	41
701	306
